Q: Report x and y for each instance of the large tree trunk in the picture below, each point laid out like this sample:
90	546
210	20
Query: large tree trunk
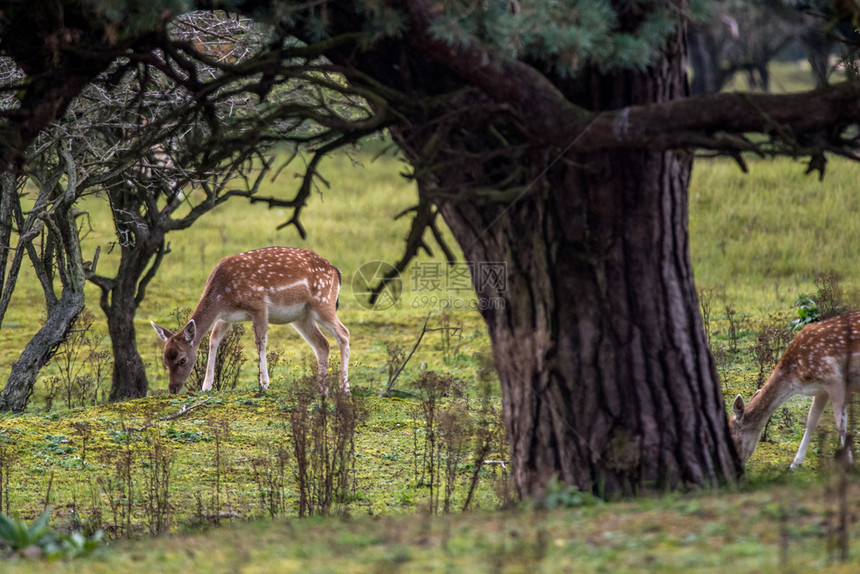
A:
606	375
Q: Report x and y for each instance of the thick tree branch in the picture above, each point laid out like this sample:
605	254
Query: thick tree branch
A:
718	122
527	91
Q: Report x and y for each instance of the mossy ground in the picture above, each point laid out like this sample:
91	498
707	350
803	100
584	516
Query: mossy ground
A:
66	459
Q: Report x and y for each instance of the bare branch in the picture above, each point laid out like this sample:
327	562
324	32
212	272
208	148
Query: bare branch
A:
180	413
425	217
424	330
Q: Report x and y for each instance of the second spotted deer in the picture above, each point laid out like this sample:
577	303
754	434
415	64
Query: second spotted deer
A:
822	361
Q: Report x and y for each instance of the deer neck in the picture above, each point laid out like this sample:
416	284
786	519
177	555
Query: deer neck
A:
204	316
772	396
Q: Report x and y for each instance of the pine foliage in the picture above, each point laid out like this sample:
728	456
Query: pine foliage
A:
566	35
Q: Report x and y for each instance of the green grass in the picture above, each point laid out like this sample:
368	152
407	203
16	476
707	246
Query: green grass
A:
215	451
785	77
765	235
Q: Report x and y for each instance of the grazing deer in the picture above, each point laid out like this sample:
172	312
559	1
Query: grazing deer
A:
273	285
823	362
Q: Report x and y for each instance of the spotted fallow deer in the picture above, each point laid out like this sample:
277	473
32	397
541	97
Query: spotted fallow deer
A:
822	361
273	285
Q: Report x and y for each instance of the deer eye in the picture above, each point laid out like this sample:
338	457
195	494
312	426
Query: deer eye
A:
183	360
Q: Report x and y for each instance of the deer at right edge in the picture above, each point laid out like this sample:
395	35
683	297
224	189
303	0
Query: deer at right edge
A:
822	361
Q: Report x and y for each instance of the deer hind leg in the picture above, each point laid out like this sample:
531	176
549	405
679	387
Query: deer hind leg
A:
341	333
309	331
218	331
818	404
840	413
261	333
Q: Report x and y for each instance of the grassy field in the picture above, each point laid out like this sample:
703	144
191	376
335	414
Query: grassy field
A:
757	241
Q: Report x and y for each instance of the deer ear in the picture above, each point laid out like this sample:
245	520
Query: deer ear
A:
738	408
163	333
190	331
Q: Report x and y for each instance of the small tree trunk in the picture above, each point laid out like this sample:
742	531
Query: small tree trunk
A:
140	258
119	303
818	48
129	373
704	59
8	194
8	203
63	242
37	353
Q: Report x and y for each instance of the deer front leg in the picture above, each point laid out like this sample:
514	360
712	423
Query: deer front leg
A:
818	404
261	330
218	331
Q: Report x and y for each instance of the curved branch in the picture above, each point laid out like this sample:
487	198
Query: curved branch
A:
106	286
503	79
297	203
425	217
163	249
718	122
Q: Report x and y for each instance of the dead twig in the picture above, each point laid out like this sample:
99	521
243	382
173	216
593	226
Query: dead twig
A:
396	374
181	412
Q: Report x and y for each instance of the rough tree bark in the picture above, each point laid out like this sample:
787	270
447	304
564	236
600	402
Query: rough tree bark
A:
129	374
606	377
120	297
37	353
8	199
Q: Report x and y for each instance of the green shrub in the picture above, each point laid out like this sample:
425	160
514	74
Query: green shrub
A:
39	540
807	312
560	495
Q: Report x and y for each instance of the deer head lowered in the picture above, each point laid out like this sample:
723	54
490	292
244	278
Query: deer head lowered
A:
273	285
822	361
